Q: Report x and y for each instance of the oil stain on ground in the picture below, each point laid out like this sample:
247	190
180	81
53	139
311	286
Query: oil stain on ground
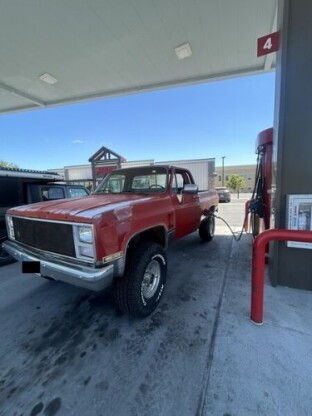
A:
62	343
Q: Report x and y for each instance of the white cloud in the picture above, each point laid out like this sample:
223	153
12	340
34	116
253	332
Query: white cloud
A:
77	141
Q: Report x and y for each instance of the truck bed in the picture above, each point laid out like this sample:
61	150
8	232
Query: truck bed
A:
208	200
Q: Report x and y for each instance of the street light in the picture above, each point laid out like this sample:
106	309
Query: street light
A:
223	157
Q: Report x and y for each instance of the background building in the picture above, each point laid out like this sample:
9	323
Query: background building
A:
248	172
206	174
203	171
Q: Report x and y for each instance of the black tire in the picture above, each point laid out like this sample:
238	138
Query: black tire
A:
134	293
207	228
5	258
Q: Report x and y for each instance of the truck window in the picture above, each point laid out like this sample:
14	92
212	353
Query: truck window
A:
115	184
77	192
177	183
147	179
52	193
179	180
156	181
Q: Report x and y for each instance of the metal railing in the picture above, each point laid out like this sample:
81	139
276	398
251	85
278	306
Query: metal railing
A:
258	264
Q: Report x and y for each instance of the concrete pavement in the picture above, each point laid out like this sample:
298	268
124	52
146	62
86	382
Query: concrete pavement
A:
66	351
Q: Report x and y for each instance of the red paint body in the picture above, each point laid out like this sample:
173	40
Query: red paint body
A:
258	259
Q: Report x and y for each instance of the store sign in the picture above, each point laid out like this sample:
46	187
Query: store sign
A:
103	170
268	44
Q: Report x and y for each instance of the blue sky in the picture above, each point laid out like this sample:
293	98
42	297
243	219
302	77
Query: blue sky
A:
214	119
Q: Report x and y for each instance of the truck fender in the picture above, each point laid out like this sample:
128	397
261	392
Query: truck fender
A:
158	233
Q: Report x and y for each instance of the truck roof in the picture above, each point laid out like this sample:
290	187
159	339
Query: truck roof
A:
27	173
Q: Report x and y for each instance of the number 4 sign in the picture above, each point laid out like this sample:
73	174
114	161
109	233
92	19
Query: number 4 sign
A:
268	44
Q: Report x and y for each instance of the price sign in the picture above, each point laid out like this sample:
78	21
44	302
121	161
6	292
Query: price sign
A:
268	44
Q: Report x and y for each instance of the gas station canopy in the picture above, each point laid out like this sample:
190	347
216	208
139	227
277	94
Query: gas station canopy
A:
56	52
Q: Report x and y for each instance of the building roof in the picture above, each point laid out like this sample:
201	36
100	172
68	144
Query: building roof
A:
28	173
106	154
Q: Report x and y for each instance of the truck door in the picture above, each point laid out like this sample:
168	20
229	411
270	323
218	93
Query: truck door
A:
186	206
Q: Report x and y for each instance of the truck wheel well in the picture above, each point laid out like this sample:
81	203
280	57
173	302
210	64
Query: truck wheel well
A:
157	235
211	210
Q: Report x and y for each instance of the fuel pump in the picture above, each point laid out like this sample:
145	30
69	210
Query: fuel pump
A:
260	203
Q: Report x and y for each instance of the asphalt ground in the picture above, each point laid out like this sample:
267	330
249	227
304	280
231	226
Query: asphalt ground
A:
67	351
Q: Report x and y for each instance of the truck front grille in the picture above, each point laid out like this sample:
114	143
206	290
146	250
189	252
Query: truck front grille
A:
49	236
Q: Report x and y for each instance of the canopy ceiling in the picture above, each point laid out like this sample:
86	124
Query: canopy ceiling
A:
101	48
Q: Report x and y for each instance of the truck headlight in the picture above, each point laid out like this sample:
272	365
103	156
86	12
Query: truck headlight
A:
85	234
10	227
84	244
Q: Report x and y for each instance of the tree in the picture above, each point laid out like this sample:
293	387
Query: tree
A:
236	182
4	164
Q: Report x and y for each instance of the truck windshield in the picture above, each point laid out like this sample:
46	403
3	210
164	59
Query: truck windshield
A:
136	180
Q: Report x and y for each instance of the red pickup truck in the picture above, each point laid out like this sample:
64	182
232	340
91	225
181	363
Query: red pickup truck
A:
116	236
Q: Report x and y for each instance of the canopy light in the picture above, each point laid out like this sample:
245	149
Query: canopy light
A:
183	51
48	79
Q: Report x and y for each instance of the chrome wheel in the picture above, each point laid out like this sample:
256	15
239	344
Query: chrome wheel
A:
140	290
151	279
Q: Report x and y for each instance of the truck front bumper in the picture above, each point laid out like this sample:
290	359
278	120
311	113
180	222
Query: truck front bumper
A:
83	276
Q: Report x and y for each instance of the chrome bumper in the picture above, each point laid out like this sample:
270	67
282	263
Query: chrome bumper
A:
82	276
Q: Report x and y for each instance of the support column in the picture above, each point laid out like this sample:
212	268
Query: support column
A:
292	148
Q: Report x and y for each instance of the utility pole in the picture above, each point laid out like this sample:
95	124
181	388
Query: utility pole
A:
223	157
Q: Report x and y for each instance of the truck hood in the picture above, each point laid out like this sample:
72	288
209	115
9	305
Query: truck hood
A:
78	209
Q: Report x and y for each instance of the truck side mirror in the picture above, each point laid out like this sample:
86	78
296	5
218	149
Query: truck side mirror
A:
190	188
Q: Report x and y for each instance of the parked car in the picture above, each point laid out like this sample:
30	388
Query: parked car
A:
21	186
224	194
